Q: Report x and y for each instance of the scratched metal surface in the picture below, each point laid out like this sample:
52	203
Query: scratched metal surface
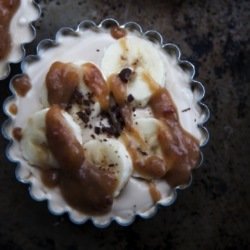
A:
214	212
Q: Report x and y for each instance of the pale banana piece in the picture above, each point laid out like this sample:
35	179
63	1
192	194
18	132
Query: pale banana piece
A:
142	57
110	155
34	144
148	130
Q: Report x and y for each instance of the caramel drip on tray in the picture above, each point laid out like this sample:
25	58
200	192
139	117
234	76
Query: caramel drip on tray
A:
22	85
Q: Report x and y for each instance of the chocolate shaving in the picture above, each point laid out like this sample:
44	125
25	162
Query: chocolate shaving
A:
185	110
97	130
115	121
130	98
125	74
142	152
86	102
83	116
88	111
68	107
77	97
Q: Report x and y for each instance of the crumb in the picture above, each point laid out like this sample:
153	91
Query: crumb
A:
185	110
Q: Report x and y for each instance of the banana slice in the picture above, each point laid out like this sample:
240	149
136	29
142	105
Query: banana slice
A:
110	155
34	143
143	58
148	130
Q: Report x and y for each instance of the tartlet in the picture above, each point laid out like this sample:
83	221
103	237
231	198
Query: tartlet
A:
16	29
91	48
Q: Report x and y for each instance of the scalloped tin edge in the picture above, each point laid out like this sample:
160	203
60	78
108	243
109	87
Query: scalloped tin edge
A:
47	43
7	68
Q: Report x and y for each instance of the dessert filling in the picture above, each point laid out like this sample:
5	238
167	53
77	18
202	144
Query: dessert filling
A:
104	124
7	10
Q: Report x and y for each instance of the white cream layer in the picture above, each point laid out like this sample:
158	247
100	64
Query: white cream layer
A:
91	46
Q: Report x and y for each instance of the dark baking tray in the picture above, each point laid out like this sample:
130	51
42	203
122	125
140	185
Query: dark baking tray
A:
214	212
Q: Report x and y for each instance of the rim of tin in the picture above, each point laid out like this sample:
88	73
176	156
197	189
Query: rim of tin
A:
151	35
30	25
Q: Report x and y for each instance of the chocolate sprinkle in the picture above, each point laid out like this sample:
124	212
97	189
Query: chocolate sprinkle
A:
88	111
83	116
97	130
185	110
130	98
125	74
142	152
77	97
86	102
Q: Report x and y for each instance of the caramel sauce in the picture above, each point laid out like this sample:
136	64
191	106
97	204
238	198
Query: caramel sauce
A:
84	186
131	147
61	82
94	80
22	85
88	189
180	149
154	167
50	177
13	109
123	44
153	86
135	134
151	166
127	116
148	165
7	10
154	192
118	89
118	32
17	133
61	140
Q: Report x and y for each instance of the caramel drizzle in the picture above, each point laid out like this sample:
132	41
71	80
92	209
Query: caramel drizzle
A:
77	176
61	82
154	192
150	166
94	80
152	85
180	149
123	44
